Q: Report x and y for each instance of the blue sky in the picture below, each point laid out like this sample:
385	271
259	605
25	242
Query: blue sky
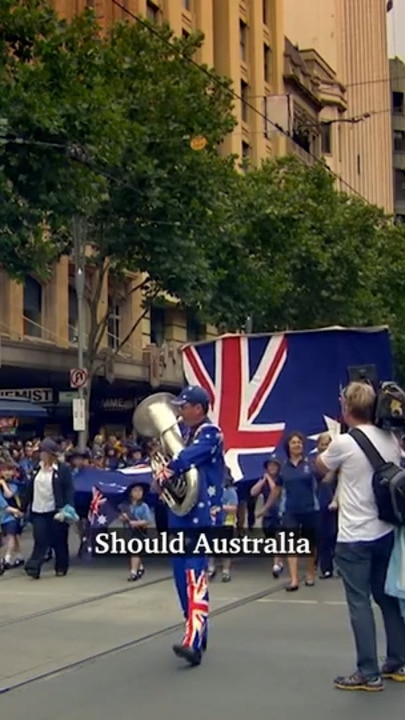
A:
396	30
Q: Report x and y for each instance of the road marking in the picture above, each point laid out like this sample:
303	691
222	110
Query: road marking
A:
302	602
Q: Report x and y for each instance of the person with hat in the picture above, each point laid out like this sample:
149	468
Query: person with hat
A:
11	521
49	492
204	452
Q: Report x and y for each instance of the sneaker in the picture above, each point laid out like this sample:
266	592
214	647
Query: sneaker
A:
133	577
357	682
226	576
211	573
277	570
326	575
398	675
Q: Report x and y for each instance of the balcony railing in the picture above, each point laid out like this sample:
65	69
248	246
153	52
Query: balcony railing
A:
294	149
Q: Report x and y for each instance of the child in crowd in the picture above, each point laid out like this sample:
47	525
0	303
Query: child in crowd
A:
272	519
11	515
230	510
136	517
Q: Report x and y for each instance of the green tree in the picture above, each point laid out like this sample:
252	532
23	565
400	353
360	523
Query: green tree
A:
319	249
100	126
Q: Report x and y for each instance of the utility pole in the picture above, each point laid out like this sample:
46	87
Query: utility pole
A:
79	408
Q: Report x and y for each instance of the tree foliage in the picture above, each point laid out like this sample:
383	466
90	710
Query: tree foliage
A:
323	258
98	126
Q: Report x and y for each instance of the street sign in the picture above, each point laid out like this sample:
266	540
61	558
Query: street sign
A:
79	414
78	378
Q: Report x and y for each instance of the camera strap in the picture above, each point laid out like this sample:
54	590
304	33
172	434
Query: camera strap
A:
368	448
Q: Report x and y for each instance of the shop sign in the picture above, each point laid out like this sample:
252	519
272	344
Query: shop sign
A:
118	404
35	395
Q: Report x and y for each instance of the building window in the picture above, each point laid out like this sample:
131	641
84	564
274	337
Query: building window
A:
243	40
245	164
398	102
399	141
195	330
244	93
73	316
152	12
113	326
326	138
267	63
157	326
186	5
266	12
32	308
399	184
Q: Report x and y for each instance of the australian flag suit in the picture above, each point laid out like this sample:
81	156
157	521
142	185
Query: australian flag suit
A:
204	451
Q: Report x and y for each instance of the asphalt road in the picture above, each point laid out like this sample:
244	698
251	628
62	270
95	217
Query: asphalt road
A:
272	657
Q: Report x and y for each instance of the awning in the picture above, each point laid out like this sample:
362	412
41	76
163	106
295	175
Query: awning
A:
21	409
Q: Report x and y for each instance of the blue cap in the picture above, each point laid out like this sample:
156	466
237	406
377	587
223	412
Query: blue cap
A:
193	394
272	459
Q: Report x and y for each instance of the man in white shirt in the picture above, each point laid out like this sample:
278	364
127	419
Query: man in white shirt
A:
364	543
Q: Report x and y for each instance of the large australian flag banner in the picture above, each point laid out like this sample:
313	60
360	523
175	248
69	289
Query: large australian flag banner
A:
263	387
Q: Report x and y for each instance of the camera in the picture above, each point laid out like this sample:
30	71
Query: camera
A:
389	410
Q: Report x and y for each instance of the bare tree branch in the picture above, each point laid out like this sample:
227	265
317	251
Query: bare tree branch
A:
140	286
130	332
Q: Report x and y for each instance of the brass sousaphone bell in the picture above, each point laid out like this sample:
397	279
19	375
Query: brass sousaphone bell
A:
156	420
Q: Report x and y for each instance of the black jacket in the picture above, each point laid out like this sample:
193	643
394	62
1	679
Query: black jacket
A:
62	484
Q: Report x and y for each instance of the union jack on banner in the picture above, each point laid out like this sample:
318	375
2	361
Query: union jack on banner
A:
239	391
262	387
197	593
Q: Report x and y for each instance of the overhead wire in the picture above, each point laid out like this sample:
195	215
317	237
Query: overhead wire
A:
146	24
72	151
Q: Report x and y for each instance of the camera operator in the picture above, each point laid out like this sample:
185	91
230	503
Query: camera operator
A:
364	543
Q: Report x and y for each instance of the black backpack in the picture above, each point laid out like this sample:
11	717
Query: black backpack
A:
388	482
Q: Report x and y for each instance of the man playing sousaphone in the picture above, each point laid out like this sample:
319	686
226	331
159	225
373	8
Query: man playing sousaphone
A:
202	453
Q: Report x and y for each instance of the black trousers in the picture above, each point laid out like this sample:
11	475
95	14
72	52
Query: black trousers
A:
327	533
48	533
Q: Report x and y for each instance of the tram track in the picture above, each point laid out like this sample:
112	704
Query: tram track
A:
136	642
83	601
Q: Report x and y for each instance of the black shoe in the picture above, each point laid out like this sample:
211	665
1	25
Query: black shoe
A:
292	588
34	575
326	575
2	566
60	573
193	657
357	682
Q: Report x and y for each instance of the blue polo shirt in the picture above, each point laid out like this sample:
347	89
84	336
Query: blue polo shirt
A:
299	485
7	517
